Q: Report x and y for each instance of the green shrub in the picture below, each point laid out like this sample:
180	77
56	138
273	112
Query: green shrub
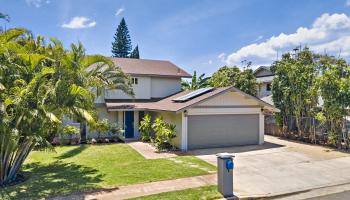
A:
101	126
146	128
332	138
70	130
165	132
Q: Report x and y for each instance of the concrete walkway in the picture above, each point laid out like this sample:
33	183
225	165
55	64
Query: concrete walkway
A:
137	190
148	151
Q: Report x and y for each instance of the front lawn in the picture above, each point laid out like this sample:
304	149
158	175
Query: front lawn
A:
203	193
87	167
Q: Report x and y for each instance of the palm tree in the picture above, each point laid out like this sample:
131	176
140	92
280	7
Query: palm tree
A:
195	84
86	72
5	17
39	84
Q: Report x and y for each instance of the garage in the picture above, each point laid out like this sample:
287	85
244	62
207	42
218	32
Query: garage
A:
205	131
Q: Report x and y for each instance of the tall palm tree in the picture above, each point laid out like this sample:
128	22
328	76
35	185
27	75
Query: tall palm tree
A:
39	84
5	17
196	83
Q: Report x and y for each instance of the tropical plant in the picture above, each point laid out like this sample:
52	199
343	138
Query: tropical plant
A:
101	127
233	76
5	17
196	83
40	84
164	133
114	128
146	128
69	131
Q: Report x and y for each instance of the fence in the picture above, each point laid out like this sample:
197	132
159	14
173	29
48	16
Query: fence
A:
312	130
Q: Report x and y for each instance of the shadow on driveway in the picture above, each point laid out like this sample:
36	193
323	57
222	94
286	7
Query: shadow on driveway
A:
234	149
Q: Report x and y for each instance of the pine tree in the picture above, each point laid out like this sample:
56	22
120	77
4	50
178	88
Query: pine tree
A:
135	53
121	46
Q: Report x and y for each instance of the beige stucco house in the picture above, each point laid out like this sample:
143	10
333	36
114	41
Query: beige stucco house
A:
264	77
211	117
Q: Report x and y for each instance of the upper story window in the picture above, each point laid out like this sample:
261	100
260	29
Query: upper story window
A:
268	87
135	81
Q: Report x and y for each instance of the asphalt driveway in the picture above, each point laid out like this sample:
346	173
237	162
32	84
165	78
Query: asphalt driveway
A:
282	167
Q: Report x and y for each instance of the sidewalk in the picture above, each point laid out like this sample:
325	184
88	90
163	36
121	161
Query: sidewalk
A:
319	193
137	190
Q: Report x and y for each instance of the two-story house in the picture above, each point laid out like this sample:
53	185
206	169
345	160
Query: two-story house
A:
264	77
208	117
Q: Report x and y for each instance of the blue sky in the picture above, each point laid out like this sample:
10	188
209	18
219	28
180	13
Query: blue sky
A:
196	35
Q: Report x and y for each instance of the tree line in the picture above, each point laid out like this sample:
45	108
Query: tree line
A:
312	85
224	77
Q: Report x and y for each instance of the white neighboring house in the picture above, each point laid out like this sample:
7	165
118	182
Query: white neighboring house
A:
212	117
264	77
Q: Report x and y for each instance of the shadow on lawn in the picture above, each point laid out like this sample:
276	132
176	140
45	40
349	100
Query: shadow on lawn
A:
54	179
73	152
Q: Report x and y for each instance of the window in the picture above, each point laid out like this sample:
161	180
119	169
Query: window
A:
268	87
134	81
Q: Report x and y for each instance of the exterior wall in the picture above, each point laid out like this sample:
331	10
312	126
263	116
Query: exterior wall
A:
162	87
147	87
142	90
176	119
262	90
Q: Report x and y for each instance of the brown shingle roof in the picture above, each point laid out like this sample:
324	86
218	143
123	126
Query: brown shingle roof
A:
167	104
145	67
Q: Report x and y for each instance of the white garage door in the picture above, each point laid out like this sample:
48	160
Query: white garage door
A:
206	131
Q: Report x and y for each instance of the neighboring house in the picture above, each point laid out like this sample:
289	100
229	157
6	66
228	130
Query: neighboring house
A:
211	117
264	77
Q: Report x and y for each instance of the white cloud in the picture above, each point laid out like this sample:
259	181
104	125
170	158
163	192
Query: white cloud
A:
329	33
210	62
258	38
119	11
79	22
37	3
347	3
222	57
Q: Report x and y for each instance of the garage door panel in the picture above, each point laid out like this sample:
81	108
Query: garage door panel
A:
222	130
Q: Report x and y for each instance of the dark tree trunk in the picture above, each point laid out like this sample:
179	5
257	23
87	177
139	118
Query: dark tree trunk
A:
82	133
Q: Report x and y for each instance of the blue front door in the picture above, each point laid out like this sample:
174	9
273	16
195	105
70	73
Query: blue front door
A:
129	124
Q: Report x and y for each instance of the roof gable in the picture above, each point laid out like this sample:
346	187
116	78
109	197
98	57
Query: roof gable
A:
263	71
230	98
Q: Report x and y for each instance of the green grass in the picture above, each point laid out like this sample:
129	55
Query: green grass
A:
88	167
206	192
